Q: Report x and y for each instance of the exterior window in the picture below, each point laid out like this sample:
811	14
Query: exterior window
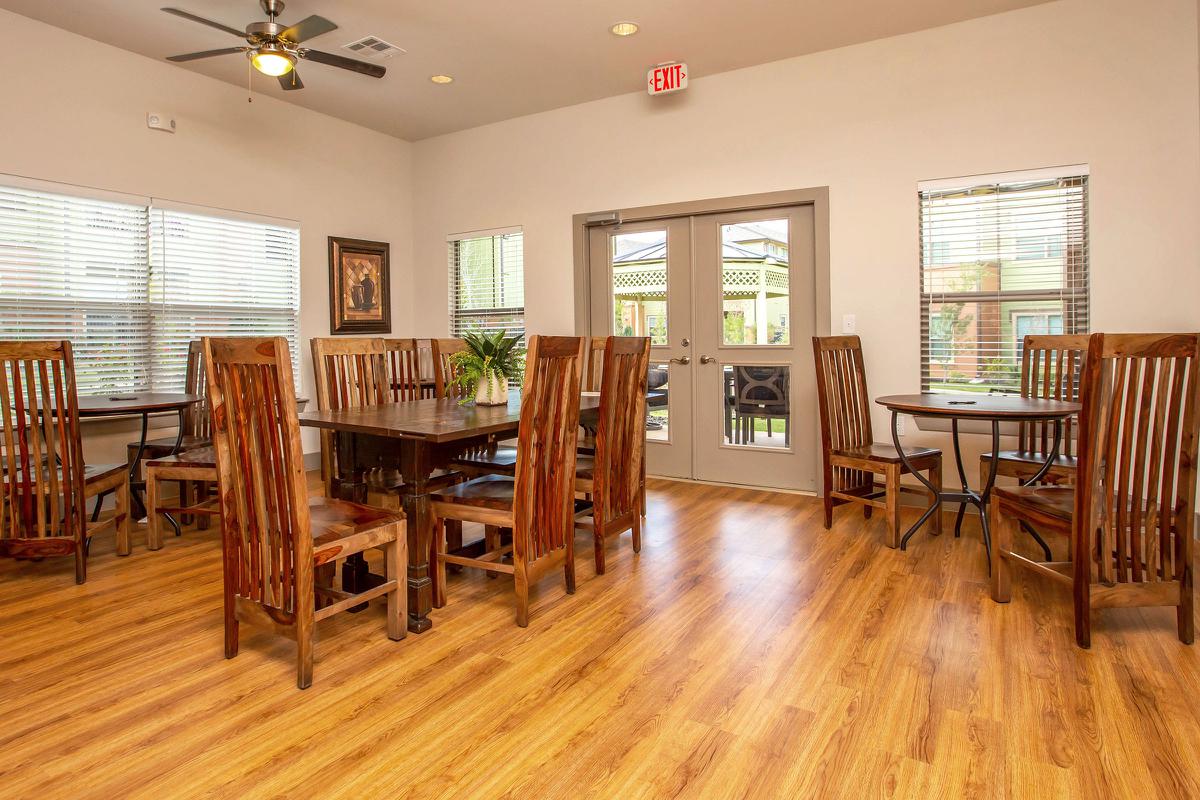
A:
130	284
487	282
1000	260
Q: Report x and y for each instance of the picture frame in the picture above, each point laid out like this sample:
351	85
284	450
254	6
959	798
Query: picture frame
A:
360	300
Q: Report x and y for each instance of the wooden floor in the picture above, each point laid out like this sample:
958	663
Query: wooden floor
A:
746	653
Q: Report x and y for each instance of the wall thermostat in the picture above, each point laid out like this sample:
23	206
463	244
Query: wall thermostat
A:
160	122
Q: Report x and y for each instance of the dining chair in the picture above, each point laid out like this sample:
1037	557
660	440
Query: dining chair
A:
537	503
443	366
850	456
196	468
196	430
348	373
760	393
1129	516
1050	369
613	476
274	537
403	379
47	483
593	363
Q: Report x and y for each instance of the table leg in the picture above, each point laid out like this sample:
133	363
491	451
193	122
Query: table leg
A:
962	478
986	492
348	484
175	451
134	485
1041	473
414	495
937	497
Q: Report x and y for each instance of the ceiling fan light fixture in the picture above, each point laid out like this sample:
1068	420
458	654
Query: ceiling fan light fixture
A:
272	60
624	28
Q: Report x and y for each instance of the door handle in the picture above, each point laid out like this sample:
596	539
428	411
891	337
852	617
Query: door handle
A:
708	359
685	360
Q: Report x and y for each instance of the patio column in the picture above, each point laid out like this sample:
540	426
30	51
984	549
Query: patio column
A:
760	307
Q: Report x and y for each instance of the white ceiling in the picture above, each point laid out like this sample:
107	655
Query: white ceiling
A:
508	58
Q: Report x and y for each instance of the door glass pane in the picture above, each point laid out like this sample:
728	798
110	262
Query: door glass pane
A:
657	407
639	285
754	282
756	405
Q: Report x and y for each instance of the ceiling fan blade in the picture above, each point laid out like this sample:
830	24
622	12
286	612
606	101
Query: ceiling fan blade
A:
291	81
187	15
361	67
308	28
224	51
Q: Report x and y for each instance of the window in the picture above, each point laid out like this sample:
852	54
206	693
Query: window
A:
487	282
130	284
1000	259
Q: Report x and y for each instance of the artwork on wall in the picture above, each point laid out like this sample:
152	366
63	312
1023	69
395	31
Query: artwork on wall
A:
359	286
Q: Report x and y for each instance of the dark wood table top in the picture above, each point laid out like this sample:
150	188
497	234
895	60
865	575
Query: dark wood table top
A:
125	403
978	406
431	420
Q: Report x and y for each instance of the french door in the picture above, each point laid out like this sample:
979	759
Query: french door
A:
728	303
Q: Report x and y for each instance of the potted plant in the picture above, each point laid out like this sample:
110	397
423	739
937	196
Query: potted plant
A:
490	361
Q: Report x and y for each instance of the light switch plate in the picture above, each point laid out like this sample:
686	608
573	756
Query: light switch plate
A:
849	323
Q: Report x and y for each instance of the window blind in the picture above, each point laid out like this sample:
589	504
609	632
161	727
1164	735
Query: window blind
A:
75	268
487	282
999	260
216	276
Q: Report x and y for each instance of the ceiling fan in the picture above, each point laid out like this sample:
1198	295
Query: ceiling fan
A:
274	49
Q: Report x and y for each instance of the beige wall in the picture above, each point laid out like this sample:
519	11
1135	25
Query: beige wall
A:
82	120
1109	83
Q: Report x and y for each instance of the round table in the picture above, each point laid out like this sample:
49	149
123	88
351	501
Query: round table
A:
130	404
993	408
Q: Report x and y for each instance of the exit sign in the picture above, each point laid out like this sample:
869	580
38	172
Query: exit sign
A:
666	78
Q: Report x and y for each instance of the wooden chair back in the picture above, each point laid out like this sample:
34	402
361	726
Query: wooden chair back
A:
844	406
621	430
443	367
267	548
1136	497
544	491
43	508
593	363
195	417
402	370
1050	369
349	373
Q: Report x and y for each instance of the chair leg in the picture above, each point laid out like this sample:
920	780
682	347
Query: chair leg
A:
598	541
397	599
935	477
81	559
122	519
1002	537
185	500
1083	615
637	534
491	541
304	658
569	573
1186	613
827	499
154	540
231	625
892	498
521	585
439	564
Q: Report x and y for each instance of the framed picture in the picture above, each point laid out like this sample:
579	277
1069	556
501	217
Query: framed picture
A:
360	299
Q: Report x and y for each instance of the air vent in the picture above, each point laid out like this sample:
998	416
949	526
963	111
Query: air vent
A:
373	47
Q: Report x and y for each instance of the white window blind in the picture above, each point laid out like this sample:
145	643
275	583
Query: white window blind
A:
487	282
75	268
130	284
1000	259
216	276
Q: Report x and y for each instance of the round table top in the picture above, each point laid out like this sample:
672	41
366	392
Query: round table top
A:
978	406
125	403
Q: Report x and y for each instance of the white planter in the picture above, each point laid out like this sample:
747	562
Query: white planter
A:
492	391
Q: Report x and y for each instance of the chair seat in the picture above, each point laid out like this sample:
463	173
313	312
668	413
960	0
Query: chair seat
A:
502	462
1053	501
341	528
92	473
200	458
489	491
164	446
878	451
585	466
1034	458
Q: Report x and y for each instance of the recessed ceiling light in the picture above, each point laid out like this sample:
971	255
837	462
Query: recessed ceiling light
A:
624	28
441	79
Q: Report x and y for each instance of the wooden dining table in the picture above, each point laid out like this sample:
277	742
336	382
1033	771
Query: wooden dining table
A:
415	438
